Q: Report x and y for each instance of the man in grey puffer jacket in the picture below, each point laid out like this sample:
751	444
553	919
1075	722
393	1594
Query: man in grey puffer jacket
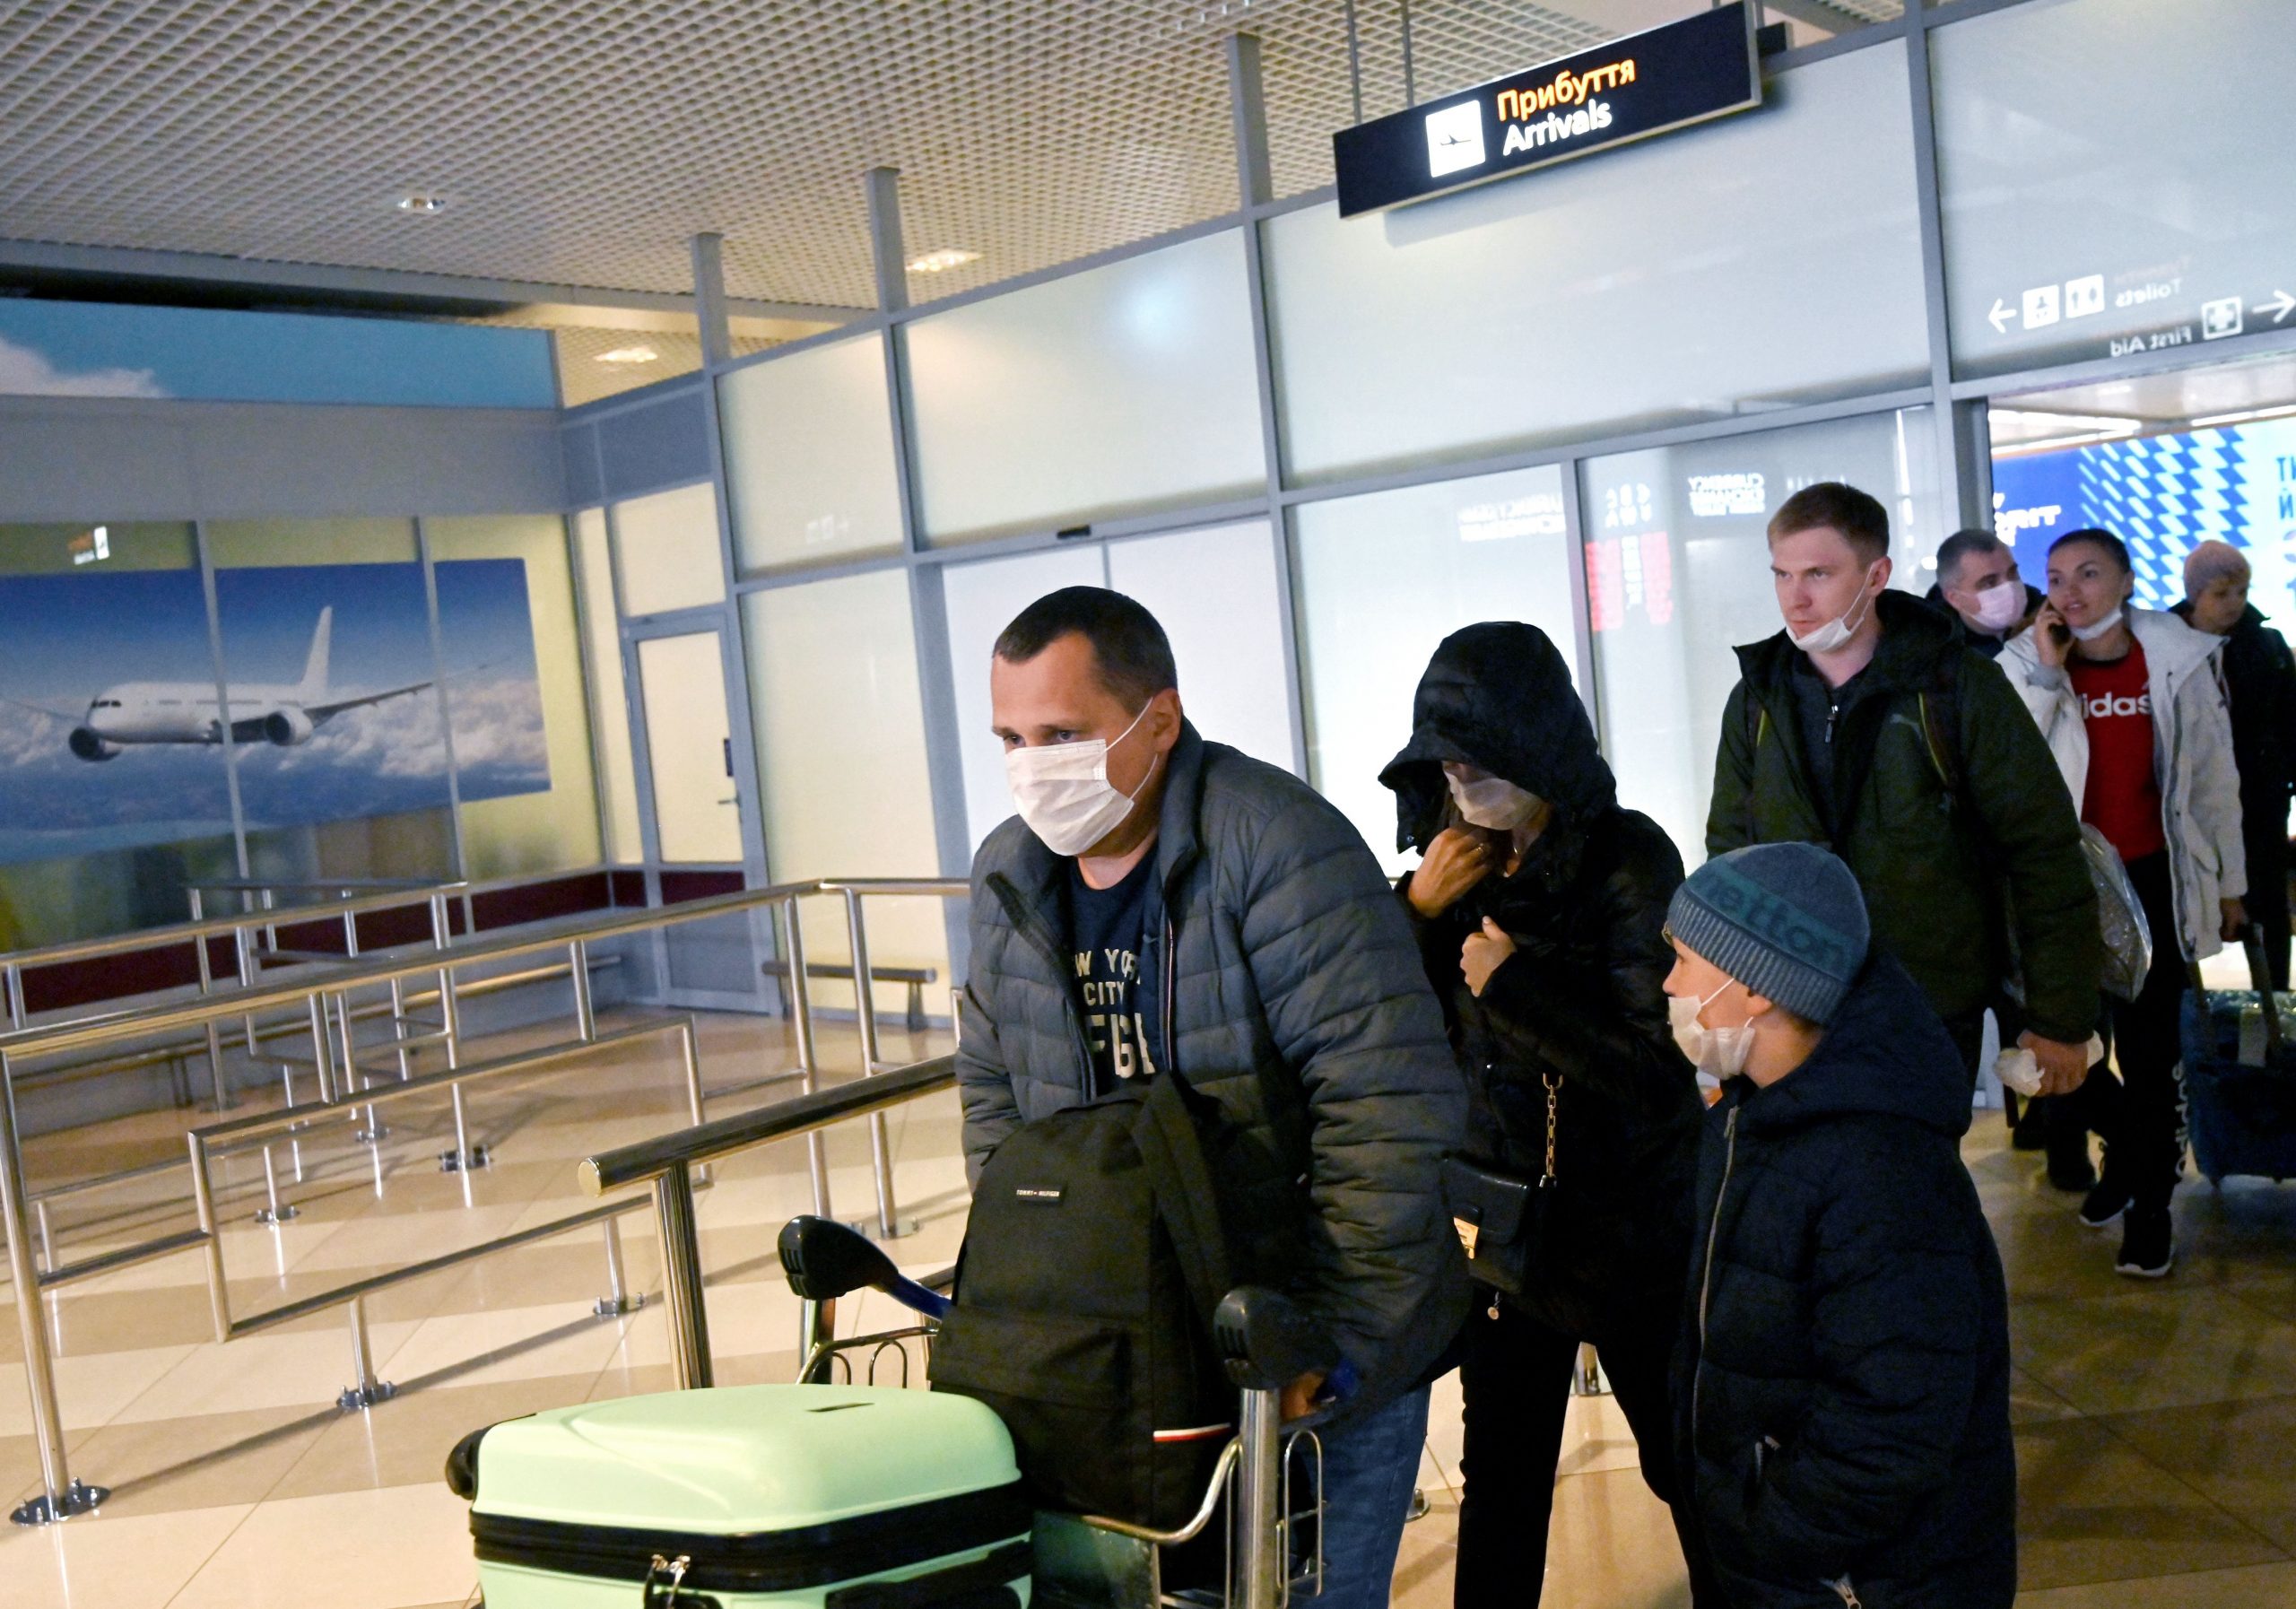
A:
1163	897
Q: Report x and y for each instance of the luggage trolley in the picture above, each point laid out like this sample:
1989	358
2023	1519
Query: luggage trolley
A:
1267	1489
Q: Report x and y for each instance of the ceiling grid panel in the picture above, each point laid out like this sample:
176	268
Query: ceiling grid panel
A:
583	142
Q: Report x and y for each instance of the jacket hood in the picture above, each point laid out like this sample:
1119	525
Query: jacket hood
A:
1498	696
2169	642
2251	617
1915	638
1884	1054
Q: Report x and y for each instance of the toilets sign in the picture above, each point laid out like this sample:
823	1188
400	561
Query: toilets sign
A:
1702	67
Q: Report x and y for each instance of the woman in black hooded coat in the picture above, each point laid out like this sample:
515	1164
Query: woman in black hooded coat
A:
1542	935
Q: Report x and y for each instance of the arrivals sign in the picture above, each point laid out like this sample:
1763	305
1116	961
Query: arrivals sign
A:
1686	71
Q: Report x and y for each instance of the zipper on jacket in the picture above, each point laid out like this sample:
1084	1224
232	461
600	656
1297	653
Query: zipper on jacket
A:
1025	924
1846	1591
1833	714
1706	1275
1170	960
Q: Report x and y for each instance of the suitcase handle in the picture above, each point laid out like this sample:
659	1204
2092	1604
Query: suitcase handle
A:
2260	975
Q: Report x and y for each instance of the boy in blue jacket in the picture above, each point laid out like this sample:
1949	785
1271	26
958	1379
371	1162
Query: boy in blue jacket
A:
1841	1399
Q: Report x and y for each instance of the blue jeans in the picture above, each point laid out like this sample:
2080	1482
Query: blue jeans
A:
1370	1468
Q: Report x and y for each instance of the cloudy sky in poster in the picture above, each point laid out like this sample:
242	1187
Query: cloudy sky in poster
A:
73	636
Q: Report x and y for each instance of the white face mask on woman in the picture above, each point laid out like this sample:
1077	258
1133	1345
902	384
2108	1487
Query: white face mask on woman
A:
2091	632
1062	790
1494	802
1721	1051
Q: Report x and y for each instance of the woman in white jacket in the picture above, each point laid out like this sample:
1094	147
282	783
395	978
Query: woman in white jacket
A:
2133	706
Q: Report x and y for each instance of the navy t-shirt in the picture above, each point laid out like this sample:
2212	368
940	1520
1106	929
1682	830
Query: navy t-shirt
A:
1110	931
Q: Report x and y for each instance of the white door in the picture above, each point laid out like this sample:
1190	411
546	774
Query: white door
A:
689	746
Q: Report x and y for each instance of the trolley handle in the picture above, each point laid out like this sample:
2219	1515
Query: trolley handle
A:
825	1260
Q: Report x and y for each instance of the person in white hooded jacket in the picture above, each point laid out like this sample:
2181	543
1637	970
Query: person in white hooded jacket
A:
2132	702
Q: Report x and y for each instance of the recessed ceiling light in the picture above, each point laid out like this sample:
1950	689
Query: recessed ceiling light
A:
421	205
942	261
629	354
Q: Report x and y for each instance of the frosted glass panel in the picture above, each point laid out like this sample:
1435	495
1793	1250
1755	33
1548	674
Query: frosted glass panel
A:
1110	391
1215	593
1767	257
2118	176
609	700
665	551
1678	572
1382	580
981	600
697	808
809	456
840	730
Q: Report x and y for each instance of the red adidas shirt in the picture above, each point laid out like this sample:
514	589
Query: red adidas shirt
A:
2123	798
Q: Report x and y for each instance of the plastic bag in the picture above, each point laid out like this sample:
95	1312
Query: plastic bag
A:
2128	937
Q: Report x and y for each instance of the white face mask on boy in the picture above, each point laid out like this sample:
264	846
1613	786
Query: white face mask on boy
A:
1720	1051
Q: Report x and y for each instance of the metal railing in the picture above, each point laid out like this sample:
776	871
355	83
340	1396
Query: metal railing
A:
313	989
239	927
667	1164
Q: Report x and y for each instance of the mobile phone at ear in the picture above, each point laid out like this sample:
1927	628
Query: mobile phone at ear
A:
2060	633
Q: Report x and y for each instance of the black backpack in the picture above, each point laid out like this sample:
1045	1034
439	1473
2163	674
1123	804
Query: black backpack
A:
1091	1266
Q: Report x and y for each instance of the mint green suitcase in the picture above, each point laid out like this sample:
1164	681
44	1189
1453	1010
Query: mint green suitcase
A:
825	1497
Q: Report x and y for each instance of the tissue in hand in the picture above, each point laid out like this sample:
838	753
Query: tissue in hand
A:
2017	1069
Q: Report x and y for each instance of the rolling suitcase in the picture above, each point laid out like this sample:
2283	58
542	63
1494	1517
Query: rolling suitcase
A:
828	1497
2240	1083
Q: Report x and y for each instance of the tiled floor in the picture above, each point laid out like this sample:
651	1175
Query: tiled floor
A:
2155	1421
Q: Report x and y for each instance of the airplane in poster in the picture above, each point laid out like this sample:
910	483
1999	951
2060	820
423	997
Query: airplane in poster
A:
285	714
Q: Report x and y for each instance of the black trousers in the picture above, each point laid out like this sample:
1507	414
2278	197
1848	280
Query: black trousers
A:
1516	1375
2266	841
2141	1115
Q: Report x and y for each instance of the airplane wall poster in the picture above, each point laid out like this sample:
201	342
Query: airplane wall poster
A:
112	732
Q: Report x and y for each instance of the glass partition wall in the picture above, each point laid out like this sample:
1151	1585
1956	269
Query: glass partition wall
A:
1315	447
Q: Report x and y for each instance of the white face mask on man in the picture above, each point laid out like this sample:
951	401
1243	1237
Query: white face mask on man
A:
1062	790
2000	606
1493	801
1720	1051
1837	633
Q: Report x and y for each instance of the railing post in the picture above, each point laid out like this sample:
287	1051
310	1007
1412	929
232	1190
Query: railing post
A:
219	1087
681	1277
801	1025
203	1202
322	1057
365	1389
585	1015
865	1012
274	1210
60	1495
618	1298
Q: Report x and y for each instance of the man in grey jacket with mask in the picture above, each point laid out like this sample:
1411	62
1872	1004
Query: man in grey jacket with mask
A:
1165	903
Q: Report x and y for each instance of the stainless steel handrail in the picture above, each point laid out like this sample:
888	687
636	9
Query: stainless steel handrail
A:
61	1495
853	890
667	1164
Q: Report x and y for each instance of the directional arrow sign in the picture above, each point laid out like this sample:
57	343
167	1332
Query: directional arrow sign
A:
2281	305
2001	311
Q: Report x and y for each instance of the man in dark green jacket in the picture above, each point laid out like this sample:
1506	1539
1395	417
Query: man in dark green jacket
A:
1866	726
